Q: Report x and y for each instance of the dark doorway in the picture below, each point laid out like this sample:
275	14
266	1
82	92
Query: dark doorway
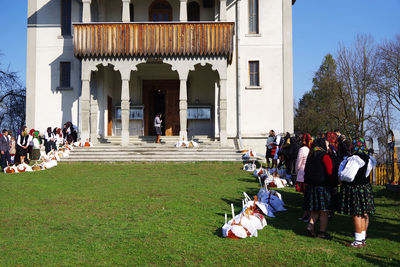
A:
109	116
161	96
159	107
193	11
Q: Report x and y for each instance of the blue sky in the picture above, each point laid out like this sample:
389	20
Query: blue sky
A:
318	28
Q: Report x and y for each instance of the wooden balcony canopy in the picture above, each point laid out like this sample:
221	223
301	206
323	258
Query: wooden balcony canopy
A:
154	39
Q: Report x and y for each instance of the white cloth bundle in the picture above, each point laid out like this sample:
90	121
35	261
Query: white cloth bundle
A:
272	199
371	165
250	167
349	167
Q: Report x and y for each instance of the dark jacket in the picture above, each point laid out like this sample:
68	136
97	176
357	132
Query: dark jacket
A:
4	143
314	172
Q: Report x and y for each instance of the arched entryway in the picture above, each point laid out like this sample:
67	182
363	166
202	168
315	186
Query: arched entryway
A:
160	94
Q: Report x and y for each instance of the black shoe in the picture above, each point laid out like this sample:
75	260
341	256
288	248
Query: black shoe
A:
310	230
324	235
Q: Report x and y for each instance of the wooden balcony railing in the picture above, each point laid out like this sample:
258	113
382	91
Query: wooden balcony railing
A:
154	39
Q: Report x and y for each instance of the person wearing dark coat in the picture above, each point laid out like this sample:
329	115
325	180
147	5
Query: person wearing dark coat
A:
5	150
50	141
22	145
318	195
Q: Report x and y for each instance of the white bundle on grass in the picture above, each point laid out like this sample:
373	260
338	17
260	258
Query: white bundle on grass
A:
250	167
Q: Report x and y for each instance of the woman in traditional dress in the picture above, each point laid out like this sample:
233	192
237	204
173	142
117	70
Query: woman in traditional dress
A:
22	145
306	142
317	198
59	138
13	149
356	199
49	140
36	146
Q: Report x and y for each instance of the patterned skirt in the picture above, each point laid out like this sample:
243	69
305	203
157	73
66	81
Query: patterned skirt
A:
318	198
35	155
356	200
301	187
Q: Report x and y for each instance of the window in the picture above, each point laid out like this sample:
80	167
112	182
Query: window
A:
132	12
208	3
253	16
193	11
65	74
160	10
66	17
254	71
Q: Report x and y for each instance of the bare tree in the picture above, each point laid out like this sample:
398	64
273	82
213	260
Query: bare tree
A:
389	54
358	74
12	100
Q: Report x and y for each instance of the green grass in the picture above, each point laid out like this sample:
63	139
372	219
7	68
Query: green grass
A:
168	214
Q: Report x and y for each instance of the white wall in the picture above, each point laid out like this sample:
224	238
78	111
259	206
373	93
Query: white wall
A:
262	108
46	105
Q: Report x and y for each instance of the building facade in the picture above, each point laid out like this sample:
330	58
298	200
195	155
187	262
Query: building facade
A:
219	68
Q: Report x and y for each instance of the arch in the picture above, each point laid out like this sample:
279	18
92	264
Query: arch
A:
160	10
193	11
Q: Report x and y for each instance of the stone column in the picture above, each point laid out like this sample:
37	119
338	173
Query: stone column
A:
86	15
288	120
126	17
223	114
183	107
125	106
222	10
183	11
93	120
85	107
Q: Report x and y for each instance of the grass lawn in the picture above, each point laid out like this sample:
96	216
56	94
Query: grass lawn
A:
168	214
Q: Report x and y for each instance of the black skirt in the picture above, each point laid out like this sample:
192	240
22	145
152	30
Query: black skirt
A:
21	151
356	200
318	198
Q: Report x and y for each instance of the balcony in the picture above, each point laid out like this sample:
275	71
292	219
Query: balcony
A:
154	39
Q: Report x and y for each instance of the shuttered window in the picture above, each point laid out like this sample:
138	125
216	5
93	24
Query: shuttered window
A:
253	16
66	17
65	74
254	71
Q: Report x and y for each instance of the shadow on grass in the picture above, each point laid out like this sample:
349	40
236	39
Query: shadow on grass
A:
339	225
377	260
383	192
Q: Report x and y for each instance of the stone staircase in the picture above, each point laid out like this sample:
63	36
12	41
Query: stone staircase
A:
144	149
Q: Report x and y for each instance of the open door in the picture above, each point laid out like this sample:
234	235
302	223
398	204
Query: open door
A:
161	96
109	116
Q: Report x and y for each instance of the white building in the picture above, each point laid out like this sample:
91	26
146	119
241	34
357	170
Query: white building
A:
110	65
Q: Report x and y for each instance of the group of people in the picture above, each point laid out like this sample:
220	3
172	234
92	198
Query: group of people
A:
26	146
319	167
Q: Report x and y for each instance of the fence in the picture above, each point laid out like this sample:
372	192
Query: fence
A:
380	176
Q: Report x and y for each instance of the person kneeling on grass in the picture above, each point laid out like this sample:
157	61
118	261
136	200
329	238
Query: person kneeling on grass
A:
355	197
318	194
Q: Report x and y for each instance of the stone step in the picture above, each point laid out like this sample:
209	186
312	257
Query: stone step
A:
210	151
127	149
150	160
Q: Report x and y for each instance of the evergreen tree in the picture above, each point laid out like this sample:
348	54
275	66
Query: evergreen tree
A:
319	109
